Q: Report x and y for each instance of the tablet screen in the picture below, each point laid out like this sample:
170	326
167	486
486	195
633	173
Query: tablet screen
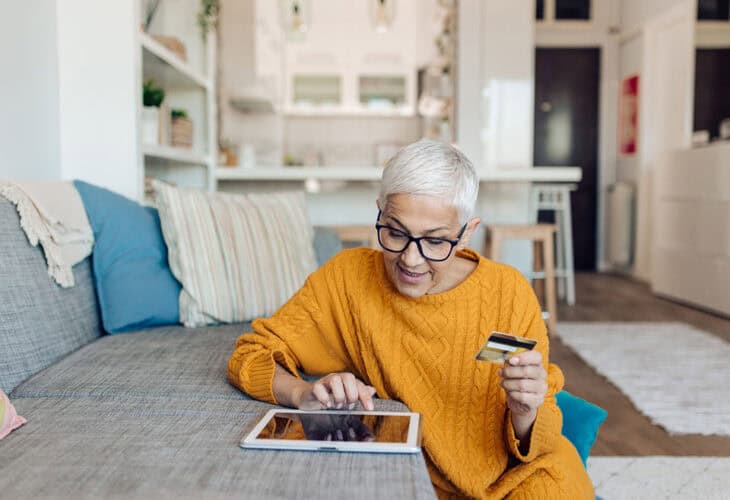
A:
337	427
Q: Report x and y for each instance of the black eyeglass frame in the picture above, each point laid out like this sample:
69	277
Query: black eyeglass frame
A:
453	243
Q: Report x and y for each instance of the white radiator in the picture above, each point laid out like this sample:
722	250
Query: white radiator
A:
620	223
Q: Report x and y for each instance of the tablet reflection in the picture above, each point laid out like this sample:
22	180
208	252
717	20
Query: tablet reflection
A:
337	427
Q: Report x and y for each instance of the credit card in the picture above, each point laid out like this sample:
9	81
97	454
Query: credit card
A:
499	347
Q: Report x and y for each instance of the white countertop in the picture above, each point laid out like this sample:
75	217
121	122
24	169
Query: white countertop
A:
372	173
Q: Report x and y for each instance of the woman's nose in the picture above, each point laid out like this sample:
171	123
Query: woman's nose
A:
411	256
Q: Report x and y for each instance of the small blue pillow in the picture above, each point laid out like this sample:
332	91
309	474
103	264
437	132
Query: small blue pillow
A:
134	284
581	421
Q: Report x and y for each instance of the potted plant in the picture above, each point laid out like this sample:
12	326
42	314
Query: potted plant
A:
208	16
181	133
152	97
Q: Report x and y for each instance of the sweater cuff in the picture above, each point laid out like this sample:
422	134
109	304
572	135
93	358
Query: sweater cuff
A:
260	375
539	441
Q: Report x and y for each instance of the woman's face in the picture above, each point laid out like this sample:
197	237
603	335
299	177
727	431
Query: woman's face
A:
417	215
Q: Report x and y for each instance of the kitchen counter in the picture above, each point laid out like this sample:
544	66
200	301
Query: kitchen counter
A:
504	197
372	173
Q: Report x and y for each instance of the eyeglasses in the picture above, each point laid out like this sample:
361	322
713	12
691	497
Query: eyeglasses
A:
433	249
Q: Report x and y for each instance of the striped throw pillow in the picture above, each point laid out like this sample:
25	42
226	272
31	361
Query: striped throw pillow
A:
239	256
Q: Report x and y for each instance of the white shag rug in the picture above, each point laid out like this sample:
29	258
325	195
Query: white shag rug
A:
675	374
648	478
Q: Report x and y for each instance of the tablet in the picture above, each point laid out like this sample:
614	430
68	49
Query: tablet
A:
333	430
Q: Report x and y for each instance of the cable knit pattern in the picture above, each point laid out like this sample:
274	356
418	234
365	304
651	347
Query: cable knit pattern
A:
348	317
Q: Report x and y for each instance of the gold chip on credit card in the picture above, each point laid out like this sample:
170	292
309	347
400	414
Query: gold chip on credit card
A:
499	347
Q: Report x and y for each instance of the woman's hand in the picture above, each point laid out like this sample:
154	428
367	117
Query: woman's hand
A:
525	382
334	391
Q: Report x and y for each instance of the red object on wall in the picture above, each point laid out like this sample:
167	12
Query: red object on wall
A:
629	115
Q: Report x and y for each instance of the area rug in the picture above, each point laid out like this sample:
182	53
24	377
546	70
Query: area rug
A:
660	477
673	373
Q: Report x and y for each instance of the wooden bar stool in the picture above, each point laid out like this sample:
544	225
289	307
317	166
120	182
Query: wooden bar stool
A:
365	236
556	198
543	259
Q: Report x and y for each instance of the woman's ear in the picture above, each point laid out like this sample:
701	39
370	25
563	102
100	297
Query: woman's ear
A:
471	226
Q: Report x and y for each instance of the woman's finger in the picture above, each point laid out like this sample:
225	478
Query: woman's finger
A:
350	383
535	372
365	394
338	391
522	385
525	358
323	396
526	398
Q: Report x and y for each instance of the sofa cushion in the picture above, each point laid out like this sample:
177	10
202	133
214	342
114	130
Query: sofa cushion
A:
581	421
40	322
9	418
238	257
327	243
165	362
135	286
147	447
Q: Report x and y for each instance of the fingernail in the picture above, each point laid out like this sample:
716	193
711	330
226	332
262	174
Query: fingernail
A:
329	404
370	405
514	361
499	373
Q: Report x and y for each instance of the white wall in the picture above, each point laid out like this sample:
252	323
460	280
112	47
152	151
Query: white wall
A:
634	13
98	88
657	44
68	92
29	122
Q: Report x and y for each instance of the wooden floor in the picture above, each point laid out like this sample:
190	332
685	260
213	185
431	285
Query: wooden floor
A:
602	297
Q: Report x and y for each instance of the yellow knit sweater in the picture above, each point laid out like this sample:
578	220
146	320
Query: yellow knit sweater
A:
348	317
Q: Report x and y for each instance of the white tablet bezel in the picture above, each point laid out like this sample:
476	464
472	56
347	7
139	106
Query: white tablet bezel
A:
412	445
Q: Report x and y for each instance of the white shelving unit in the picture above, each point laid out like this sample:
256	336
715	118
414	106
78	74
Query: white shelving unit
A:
189	85
166	67
169	153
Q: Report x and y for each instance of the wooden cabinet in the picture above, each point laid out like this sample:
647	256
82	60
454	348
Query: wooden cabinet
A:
342	65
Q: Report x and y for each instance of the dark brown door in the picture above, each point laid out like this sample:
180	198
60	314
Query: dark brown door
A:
566	133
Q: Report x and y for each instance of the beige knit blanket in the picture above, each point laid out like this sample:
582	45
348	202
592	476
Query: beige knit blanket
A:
52	214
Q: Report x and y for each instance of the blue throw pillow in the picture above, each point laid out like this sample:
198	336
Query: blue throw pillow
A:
581	421
134	284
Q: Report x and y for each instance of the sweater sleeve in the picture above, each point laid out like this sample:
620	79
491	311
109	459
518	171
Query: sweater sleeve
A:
303	334
548	424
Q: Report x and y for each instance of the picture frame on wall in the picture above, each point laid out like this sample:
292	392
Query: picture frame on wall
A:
629	115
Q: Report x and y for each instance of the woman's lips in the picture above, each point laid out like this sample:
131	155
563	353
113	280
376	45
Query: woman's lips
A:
410	277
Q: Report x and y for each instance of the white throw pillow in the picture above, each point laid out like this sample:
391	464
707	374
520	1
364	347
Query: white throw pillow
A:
239	256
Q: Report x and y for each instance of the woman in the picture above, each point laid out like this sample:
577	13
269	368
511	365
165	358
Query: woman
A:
406	323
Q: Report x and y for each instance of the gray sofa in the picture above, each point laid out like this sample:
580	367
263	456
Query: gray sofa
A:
144	414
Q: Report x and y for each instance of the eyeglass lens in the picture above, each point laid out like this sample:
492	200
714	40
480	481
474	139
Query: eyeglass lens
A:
397	241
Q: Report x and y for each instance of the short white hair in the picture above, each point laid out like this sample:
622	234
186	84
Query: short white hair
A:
435	169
